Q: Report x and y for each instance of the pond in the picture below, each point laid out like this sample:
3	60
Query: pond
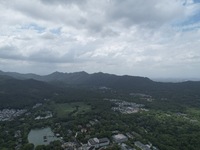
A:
41	136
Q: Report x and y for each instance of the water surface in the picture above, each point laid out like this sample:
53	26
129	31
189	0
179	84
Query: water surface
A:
41	136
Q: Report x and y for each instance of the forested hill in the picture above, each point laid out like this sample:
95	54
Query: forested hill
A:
83	78
16	88
103	79
108	80
18	93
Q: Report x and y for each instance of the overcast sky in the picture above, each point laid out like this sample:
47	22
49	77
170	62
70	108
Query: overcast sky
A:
152	38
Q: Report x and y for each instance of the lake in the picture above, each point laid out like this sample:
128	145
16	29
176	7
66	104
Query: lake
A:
41	136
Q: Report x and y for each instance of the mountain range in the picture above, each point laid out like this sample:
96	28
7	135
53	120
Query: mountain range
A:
18	85
83	78
100	79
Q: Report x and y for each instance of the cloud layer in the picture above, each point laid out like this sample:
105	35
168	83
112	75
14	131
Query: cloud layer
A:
148	38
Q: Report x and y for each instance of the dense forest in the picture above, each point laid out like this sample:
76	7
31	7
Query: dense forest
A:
171	122
30	88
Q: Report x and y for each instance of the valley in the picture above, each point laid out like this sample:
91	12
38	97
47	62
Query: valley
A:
161	116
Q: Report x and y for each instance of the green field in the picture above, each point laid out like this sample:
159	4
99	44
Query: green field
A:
64	109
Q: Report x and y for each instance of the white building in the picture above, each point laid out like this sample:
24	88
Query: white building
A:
104	142
141	146
119	138
126	147
98	142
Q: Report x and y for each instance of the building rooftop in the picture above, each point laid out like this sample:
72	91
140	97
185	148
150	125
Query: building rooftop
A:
93	141
141	146
104	140
119	136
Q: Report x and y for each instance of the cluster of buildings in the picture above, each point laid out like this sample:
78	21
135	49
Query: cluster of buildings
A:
126	147
18	137
101	143
142	96
92	123
92	144
127	107
47	115
141	146
37	105
69	146
96	143
10	114
121	139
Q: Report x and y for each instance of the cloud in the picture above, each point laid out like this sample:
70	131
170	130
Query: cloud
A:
9	52
147	38
146	12
64	2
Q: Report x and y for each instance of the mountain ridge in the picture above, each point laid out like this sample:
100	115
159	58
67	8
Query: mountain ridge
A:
21	93
31	85
100	79
71	78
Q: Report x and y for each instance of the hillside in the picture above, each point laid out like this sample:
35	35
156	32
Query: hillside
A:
83	78
21	93
182	92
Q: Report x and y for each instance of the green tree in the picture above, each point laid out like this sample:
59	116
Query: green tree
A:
28	146
40	147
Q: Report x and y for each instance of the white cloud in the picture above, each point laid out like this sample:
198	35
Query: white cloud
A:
148	38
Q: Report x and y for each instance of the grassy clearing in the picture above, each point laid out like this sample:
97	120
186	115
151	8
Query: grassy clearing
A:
65	109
